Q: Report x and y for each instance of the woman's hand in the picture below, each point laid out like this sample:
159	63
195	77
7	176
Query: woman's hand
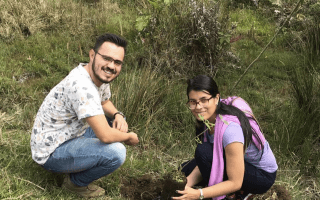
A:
194	178
188	194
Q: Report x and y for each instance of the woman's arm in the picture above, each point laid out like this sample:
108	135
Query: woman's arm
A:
235	172
194	177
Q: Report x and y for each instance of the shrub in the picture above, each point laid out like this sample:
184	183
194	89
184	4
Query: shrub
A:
184	37
303	28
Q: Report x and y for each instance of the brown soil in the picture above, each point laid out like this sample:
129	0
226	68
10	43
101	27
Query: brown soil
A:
147	188
276	192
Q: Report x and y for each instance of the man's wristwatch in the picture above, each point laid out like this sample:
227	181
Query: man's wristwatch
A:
201	194
120	113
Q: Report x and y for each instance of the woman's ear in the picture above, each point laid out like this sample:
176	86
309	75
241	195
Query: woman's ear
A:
217	98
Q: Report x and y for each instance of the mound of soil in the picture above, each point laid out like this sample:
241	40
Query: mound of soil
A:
276	192
146	188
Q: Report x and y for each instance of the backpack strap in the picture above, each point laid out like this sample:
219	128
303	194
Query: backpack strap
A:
245	111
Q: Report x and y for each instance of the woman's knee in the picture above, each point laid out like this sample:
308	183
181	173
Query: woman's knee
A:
204	151
257	181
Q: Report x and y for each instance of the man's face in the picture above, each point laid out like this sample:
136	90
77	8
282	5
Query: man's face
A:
106	63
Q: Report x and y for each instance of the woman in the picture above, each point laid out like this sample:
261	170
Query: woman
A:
234	155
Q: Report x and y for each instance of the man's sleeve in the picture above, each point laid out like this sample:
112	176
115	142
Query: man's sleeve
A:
85	100
105	92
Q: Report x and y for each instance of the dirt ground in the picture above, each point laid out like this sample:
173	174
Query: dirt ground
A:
276	192
146	188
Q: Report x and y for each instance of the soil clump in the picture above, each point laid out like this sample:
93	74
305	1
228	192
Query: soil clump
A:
148	188
276	192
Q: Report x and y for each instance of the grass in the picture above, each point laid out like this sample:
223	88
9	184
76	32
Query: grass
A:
153	101
250	24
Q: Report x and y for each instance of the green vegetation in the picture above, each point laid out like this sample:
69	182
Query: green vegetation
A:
169	42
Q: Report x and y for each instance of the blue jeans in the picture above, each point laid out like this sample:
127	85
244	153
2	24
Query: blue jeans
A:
86	158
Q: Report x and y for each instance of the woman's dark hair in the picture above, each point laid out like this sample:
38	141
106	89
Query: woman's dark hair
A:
206	83
109	37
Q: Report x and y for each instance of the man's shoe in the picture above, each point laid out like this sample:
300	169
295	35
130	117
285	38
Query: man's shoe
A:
89	191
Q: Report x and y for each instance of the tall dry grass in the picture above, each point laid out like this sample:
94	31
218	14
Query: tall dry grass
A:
20	19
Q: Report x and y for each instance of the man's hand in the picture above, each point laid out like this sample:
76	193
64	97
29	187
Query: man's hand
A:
133	140
120	124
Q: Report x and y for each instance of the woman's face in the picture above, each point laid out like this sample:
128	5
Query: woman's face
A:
201	102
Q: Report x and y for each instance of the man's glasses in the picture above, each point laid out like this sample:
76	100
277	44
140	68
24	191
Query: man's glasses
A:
192	104
108	59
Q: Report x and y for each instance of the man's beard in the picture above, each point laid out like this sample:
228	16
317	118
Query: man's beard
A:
96	75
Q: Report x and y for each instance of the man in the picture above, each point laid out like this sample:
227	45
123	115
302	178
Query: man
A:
71	134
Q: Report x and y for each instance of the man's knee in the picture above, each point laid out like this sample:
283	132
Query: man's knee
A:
119	153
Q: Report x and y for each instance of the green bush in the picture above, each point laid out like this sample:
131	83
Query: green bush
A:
303	29
184	37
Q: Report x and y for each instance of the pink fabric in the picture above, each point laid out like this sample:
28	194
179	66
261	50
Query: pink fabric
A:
222	123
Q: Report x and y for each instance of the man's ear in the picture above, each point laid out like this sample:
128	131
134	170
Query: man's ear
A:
91	55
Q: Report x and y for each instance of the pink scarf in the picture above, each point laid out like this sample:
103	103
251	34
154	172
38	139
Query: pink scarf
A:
222	123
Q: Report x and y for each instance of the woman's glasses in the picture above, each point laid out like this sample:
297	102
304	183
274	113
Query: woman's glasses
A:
192	104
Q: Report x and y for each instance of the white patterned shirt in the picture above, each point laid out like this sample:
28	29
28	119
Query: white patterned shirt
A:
62	114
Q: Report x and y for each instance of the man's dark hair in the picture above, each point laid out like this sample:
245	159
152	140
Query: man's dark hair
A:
109	37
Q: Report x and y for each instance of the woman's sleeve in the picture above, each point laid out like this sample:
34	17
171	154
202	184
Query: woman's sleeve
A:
233	133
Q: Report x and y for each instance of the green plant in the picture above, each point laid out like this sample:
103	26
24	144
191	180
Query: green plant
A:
193	39
149	103
303	29
301	127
